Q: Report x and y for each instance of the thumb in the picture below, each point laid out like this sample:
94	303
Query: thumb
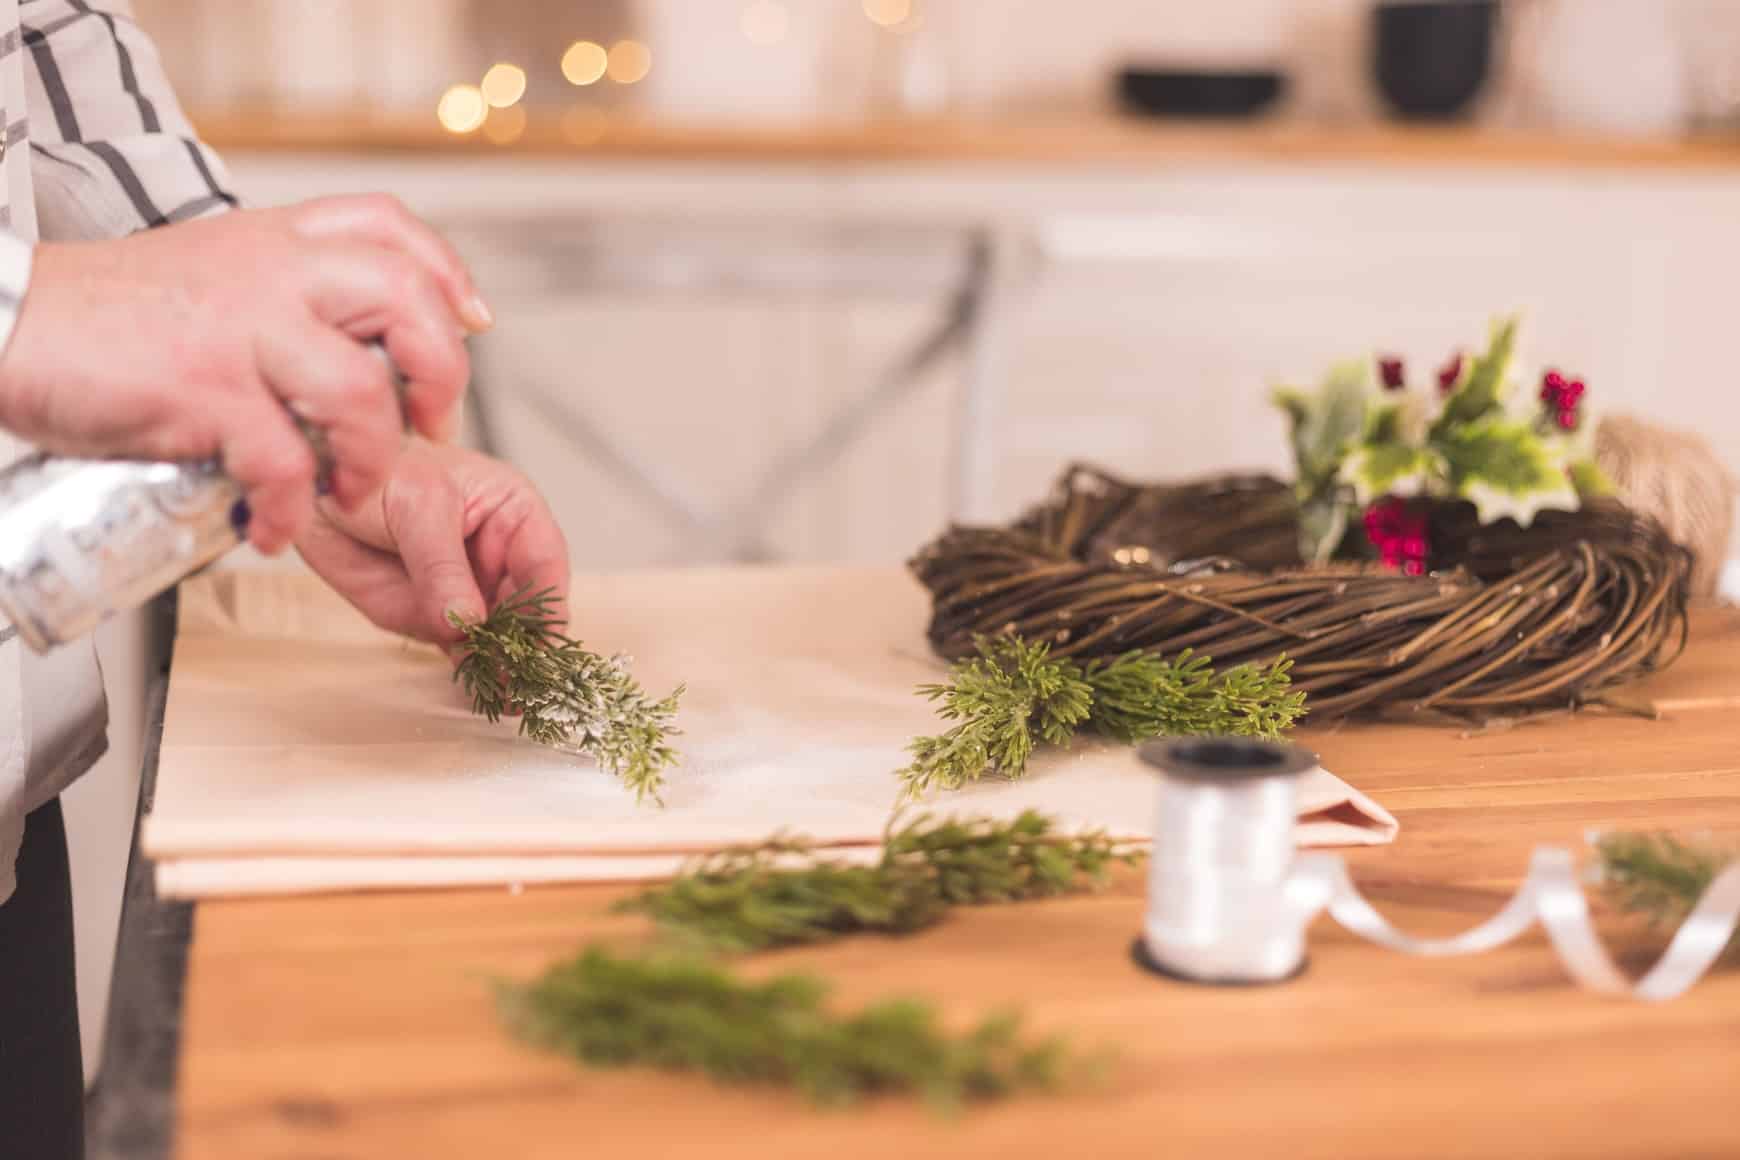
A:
425	517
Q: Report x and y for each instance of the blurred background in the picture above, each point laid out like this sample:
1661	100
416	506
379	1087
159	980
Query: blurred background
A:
804	279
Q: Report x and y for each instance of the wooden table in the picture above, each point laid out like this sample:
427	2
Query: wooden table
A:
352	1027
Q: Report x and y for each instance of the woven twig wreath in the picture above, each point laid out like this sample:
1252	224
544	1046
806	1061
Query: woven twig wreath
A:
1510	621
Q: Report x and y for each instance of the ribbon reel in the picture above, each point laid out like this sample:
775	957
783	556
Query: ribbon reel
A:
1230	897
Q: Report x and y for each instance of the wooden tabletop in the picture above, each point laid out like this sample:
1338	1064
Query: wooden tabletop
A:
352	1027
1036	140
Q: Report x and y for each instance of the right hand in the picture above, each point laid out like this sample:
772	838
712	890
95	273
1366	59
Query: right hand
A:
199	341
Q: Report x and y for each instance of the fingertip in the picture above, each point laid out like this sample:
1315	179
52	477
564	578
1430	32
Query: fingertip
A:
476	314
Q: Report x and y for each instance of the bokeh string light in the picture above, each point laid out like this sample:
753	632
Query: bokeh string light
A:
505	126
462	109
585	63
493	105
585	125
630	61
503	85
888	13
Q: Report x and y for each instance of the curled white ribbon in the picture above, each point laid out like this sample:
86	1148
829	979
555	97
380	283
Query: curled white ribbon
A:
1550	895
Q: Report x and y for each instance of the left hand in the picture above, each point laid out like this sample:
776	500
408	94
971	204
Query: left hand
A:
451	530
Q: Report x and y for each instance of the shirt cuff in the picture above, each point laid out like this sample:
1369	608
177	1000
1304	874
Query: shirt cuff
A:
16	257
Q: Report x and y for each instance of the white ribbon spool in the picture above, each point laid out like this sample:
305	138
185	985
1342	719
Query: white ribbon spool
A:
1218	909
1229	900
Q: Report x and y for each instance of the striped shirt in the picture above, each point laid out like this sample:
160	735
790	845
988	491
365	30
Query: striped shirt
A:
94	145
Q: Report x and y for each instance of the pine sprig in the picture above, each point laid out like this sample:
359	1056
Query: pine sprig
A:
1659	875
685	1014
568	697
789	892
1012	694
1015	696
1139	696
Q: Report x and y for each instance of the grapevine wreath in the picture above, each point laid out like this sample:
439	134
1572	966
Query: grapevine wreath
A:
1455	549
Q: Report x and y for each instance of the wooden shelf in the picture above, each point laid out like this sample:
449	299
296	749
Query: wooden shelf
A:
1103	140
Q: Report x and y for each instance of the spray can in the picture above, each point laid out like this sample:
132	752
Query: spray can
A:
84	539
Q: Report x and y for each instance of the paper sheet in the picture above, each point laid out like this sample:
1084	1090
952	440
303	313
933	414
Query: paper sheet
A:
305	750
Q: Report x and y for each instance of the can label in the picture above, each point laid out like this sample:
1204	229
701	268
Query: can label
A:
83	539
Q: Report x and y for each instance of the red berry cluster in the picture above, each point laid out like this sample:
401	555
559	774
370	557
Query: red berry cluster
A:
1449	373
1562	396
1392	373
1397	530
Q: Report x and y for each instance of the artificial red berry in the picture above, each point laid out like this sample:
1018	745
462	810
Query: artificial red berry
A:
1398	531
1390	372
1552	388
1450	372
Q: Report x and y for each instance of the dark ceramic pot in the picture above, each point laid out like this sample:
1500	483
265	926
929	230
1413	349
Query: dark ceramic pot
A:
1432	57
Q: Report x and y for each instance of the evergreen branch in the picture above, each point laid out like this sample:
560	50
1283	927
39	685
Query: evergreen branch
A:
1139	696
788	892
568	697
1659	875
1011	695
688	1015
1015	695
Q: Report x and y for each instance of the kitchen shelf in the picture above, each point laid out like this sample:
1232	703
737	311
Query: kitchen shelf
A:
1104	140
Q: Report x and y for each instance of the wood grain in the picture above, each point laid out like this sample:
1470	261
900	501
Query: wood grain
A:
361	1027
1085	140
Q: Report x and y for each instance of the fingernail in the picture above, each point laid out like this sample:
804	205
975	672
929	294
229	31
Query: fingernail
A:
477	315
463	611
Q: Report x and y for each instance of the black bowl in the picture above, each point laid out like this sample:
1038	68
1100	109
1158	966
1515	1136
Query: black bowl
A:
1432	56
1179	93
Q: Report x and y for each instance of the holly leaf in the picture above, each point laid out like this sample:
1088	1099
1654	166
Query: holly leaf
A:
1507	469
1481	389
1375	470
1326	421
1322	525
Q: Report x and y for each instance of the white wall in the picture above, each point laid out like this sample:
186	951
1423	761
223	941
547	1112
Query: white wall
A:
1158	366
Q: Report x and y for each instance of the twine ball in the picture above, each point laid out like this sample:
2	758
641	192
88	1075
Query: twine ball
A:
1675	477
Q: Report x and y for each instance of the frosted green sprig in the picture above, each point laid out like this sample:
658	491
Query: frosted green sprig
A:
568	697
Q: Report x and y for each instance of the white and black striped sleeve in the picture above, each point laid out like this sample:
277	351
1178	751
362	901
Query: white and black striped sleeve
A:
111	150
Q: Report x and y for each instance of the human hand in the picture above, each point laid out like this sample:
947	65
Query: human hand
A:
203	340
451	530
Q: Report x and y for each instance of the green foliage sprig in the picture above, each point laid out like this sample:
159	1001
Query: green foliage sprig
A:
685	1014
788	892
568	698
1015	695
1660	875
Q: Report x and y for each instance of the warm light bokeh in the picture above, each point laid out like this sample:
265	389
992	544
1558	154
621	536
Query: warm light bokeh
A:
505	126
888	13
504	84
585	62
630	61
462	109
